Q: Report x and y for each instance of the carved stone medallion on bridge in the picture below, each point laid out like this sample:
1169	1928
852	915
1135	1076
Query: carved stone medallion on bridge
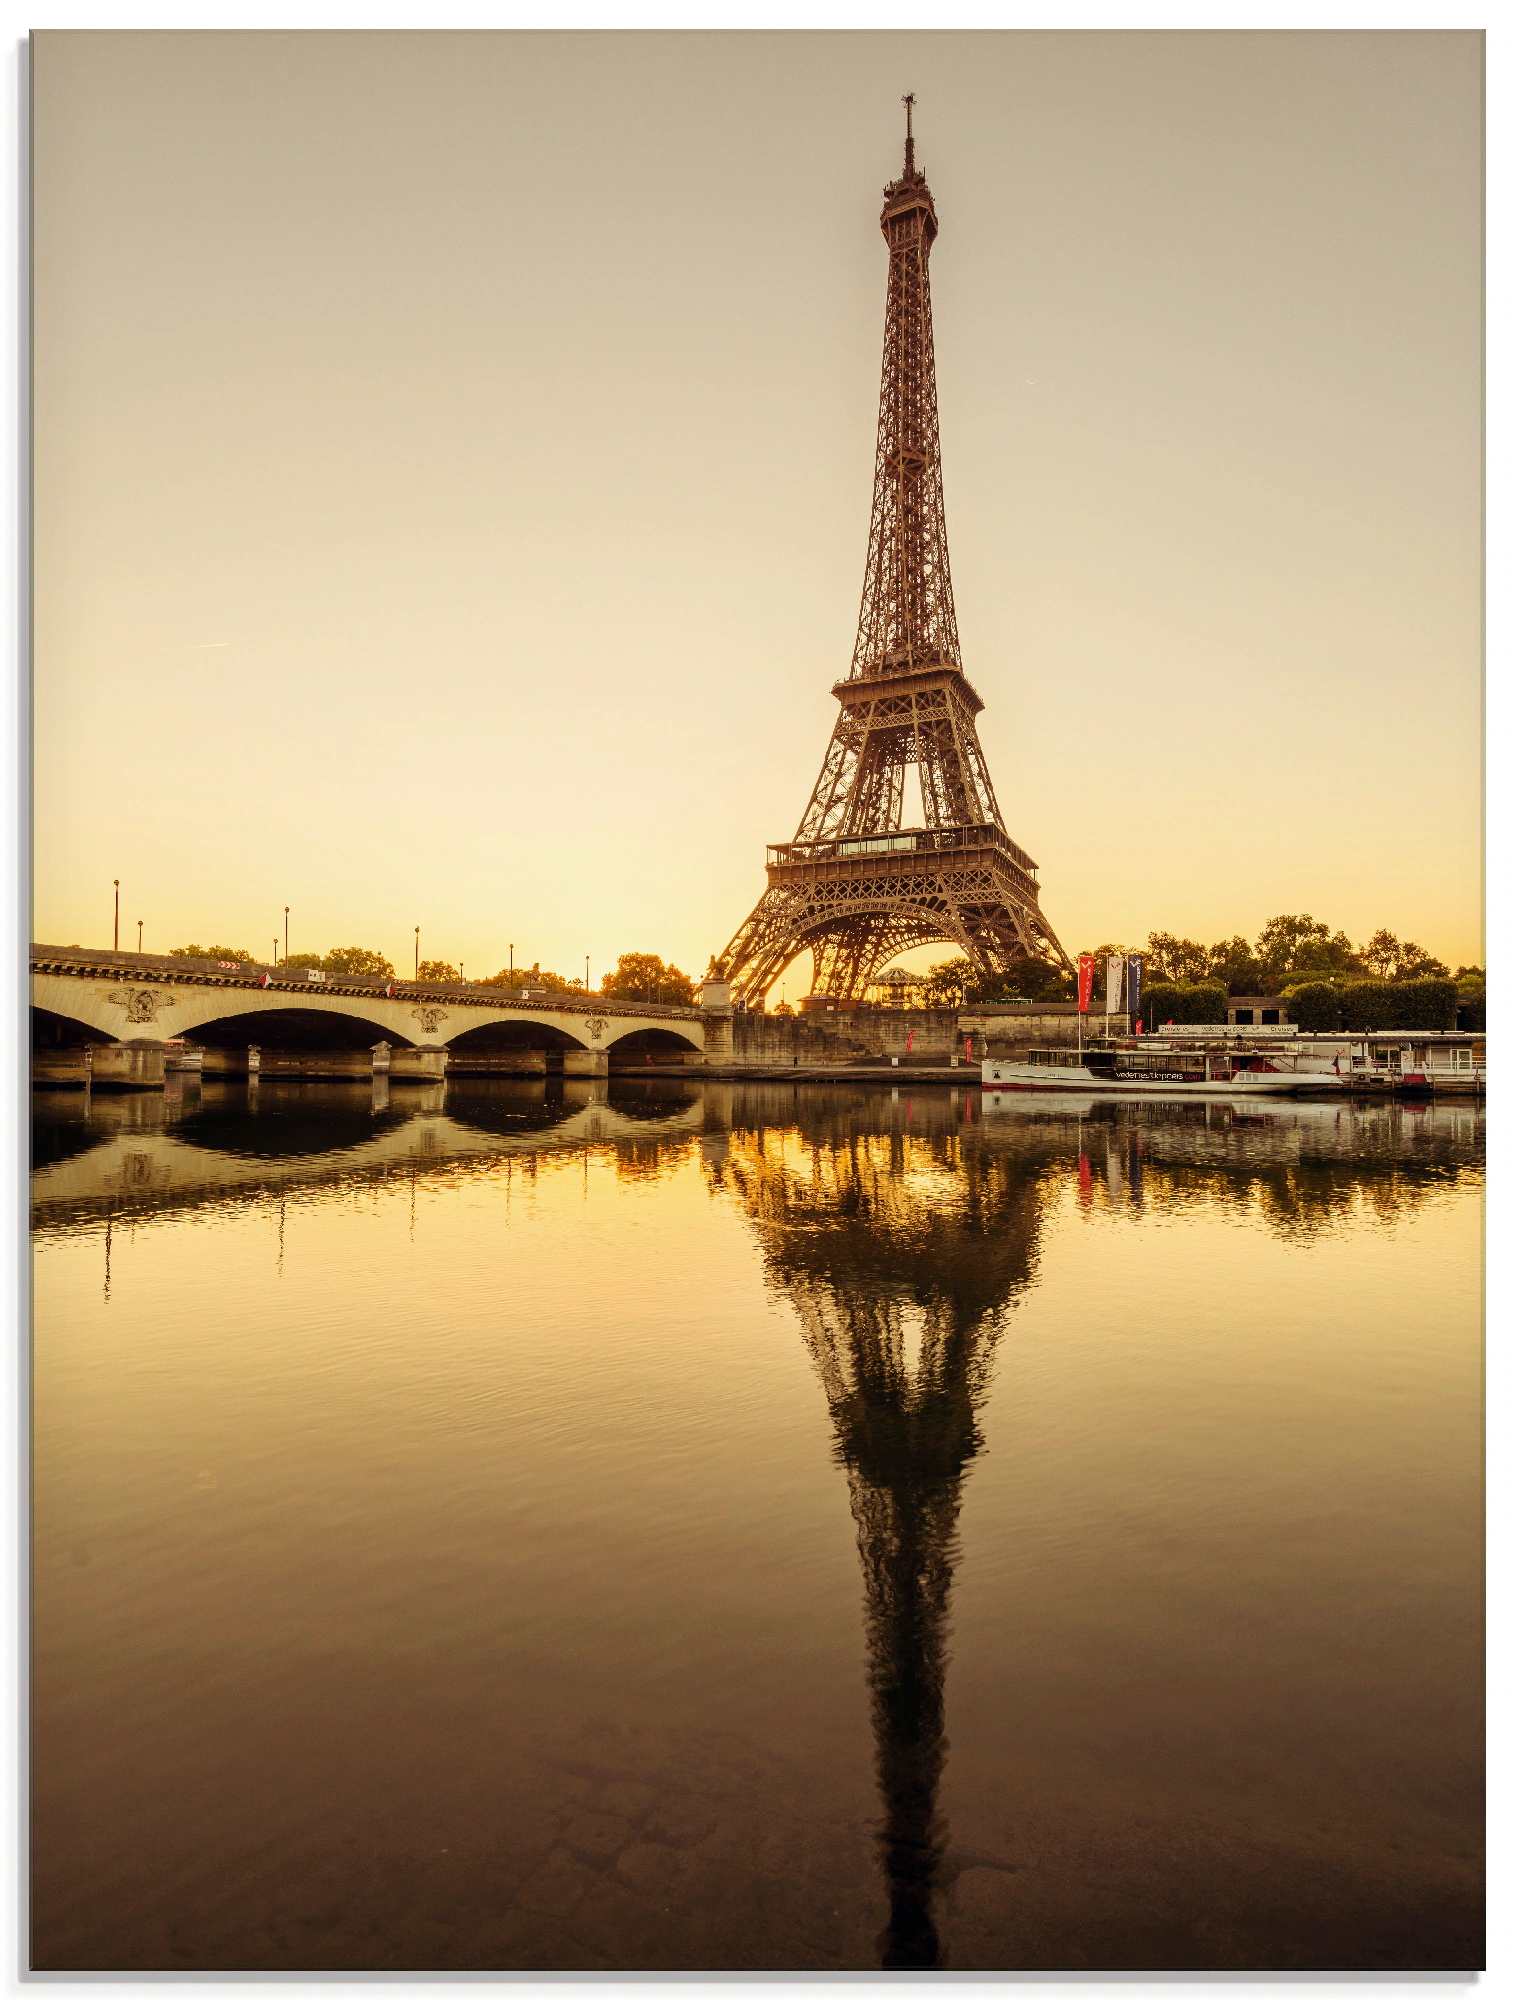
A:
142	1002
430	1018
596	1029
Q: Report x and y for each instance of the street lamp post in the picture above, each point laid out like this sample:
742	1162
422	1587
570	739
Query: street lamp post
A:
276	951
586	972
139	935
286	930
418	951
115	935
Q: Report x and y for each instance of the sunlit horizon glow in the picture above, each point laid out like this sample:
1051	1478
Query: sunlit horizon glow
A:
453	458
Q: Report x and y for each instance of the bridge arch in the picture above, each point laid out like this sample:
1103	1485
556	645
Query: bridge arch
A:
51	1030
329	1027
502	1036
655	1042
144	1009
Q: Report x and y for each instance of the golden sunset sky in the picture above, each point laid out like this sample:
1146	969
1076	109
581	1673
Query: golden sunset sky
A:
454	454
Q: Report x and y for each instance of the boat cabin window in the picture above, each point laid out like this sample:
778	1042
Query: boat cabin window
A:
1054	1058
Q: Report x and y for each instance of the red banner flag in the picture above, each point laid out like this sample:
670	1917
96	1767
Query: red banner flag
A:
909	1041
1085	981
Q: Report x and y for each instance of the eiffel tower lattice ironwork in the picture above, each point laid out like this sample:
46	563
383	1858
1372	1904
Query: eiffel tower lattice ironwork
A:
867	1260
855	886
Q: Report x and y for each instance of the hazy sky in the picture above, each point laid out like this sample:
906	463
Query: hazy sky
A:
454	455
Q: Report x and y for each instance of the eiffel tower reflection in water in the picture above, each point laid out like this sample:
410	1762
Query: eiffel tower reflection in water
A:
900	1255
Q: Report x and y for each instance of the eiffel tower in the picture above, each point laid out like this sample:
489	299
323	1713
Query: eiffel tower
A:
855	886
899	1294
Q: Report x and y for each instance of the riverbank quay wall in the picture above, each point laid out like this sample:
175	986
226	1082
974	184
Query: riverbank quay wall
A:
787	1041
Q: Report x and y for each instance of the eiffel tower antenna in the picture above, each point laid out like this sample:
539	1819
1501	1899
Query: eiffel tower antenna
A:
855	886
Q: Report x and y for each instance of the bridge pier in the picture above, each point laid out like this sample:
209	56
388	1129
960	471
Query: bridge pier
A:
715	1010
417	1065
126	1066
586	1062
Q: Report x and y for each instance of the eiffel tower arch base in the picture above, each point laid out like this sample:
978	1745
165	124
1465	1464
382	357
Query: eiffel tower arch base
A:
854	923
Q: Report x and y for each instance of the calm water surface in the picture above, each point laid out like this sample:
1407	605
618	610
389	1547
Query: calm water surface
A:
521	1526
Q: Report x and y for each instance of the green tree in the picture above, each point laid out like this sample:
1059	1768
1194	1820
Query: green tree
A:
1034	979
1280	939
1234	963
947	982
1416	963
1174	960
1385	957
437	972
518	976
229	951
1315	1007
354	961
1329	955
1204	1001
1380	954
642	975
952	982
303	961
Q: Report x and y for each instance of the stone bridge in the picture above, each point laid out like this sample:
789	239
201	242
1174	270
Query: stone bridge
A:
134	1001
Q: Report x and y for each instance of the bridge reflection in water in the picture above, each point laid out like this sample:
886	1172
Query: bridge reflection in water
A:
902	1233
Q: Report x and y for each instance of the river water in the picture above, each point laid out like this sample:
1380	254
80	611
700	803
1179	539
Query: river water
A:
701	1526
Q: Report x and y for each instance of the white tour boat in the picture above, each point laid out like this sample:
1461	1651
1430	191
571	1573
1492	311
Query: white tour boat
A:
1159	1067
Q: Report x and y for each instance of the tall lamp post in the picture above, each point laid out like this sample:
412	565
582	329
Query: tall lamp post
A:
276	951
586	972
115	935
286	930
418	951
139	935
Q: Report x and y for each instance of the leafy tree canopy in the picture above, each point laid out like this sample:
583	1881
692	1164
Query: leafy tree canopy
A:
304	961
952	981
1178	961
553	981
642	975
1280	939
354	961
1234	963
438	971
1386	958
229	951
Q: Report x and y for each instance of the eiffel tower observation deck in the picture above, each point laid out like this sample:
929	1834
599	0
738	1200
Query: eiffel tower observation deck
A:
856	886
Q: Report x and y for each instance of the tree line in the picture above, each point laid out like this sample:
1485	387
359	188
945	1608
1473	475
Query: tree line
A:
638	975
1286	951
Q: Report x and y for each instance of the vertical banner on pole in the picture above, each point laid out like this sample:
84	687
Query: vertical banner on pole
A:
1134	985
1085	981
1115	967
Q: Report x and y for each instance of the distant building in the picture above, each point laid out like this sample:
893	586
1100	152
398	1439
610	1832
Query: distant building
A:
896	987
1257	1010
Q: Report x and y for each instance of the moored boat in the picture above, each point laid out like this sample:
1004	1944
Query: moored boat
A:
1158	1066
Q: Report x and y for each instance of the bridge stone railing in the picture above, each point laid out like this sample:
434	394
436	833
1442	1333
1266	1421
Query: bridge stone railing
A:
76	959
